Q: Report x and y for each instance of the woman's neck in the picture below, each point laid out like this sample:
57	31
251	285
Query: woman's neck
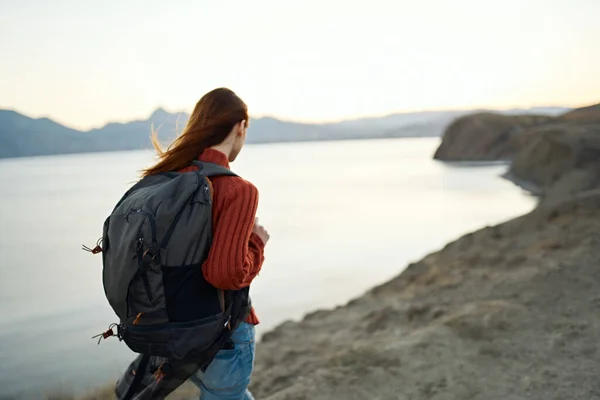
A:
224	148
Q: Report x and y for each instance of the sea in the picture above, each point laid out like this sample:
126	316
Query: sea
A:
343	217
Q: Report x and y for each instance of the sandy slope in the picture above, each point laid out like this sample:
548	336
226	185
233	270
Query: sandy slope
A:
509	312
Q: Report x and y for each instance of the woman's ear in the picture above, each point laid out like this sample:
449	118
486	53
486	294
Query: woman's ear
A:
241	131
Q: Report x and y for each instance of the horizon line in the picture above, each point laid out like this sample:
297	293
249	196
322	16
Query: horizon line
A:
322	121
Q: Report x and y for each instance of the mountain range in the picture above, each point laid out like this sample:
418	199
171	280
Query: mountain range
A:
22	136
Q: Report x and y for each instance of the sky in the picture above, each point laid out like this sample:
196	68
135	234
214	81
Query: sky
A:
84	63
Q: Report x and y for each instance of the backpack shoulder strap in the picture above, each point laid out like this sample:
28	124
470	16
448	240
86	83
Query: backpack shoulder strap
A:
210	169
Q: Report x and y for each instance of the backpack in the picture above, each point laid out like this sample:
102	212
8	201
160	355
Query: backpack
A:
153	246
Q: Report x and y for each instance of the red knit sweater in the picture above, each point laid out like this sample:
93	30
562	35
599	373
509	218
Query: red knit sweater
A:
237	253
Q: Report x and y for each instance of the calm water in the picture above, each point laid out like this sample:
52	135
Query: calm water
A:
343	216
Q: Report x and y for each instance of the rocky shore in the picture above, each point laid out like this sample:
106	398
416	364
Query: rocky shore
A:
508	312
551	156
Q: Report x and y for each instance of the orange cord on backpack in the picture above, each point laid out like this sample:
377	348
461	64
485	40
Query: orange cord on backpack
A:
95	250
105	335
159	374
137	318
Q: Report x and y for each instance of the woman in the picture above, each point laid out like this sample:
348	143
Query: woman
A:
216	132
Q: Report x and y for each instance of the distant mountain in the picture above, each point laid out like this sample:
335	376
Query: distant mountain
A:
22	136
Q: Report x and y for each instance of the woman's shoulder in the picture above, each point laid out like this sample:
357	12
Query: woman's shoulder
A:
236	186
244	185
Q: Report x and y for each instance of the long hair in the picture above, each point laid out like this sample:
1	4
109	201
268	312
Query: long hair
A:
213	118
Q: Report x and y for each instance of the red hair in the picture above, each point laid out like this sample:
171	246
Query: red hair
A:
213	118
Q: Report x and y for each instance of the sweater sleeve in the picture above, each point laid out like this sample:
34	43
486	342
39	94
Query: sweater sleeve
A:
236	254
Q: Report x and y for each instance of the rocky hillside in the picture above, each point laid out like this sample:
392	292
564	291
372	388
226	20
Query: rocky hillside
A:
550	156
559	159
584	114
485	136
508	312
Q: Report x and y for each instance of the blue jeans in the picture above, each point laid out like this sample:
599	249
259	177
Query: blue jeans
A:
228	375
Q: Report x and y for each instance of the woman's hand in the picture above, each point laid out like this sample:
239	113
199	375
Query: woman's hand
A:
260	231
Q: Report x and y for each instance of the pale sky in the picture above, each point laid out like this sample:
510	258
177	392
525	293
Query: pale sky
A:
84	62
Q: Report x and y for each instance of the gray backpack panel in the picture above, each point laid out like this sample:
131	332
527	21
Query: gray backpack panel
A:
154	244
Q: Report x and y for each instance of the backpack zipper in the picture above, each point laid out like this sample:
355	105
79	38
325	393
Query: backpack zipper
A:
142	273
177	325
150	218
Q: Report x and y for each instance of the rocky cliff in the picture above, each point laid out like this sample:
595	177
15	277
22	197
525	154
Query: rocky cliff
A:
508	312
559	159
584	114
550	156
485	136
